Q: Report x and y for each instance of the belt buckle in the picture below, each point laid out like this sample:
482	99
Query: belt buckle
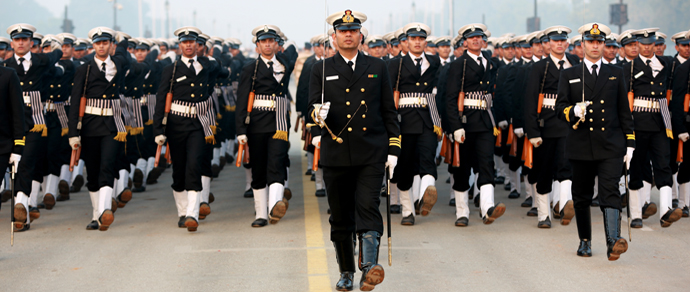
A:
102	112
273	104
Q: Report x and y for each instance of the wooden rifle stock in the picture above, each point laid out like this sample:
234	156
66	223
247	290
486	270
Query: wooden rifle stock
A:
396	98
511	135
449	154
167	153
158	155
240	155
456	154
317	156
444	147
686	102
540	104
527	152
76	153
499	138
679	155
669	94
631	99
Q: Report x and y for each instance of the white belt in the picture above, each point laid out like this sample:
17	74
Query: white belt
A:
646	104
412	101
97	111
549	102
27	99
50	107
480	103
259	103
143	100
183	109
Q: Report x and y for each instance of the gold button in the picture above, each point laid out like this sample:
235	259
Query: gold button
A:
281	84
364	116
113	84
417	83
30	83
362	89
364	129
602	119
112	95
347	103
104	96
661	84
51	86
602	129
72	83
602	110
347	90
125	87
425	84
192	85
591	129
488	82
481	82
135	88
273	94
652	93
58	96
591	111
349	129
192	94
363	102
602	101
349	116
281	93
21	83
51	96
652	83
59	85
202	95
591	120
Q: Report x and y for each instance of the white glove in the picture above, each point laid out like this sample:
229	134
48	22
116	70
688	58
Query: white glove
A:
217	91
160	139
519	132
323	112
628	157
15	158
536	142
391	163
683	136
75	142
242	139
580	109
315	141
503	124
459	135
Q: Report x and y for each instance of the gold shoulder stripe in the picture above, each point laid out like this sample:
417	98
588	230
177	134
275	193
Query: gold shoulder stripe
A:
630	136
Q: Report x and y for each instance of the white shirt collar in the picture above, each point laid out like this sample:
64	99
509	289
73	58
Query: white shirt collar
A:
446	60
26	57
186	60
475	57
614	61
535	58
423	56
589	65
354	60
681	59
555	61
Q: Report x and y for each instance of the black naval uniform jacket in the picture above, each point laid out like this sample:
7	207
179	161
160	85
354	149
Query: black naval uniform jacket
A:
302	94
645	84
505	77
518	95
60	86
373	131
477	120
608	126
552	127
11	113
680	88
98	87
152	82
414	119
34	79
188	87
136	76
265	84
441	77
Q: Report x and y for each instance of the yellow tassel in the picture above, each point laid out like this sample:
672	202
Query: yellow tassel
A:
136	131
496	131
45	132
210	140
230	108
149	122
219	116
438	131
121	137
38	128
281	135
669	133
64	131
213	129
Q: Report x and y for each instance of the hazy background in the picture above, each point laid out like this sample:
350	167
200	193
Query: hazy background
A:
301	19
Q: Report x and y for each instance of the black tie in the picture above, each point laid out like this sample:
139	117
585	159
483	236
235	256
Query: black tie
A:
191	66
21	71
649	64
481	65
103	67
350	63
594	71
560	65
419	65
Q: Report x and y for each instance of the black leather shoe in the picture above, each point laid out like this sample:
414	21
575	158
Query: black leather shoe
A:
24	227
372	272
624	200
533	212
180	223
309	172
6	196
649	209
328	211
344	251
222	162
248	193
513	195
204	210
395	209
345	283
544	224
155	173
585	249
105	220
671	216
138	178
77	184
139	189
527	203
34	214
211	198
616	245
124	197
674	203
556	212
92	226
686	212
494	213
567	212
313	177
595	202
229	158
408	221
321	193
63	191
215	170
462	222
451	202
417	207
507	187
49	201
499	180
41	206
191	224
636	223
260	222
448	180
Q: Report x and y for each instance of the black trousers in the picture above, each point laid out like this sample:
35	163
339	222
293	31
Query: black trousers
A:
149	143
100	158
684	168
354	195
656	145
268	159
53	157
206	169
514	162
477	152
417	156
136	148
4	163
34	151
187	154
549	164
609	172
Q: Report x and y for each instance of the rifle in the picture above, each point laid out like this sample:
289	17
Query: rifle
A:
396	93
76	153
686	105
168	105
242	149
388	216
461	109
528	149
12	181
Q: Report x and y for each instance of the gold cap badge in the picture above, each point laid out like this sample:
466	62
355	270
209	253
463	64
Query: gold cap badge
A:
595	29
348	18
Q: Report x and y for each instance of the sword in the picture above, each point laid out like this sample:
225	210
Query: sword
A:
627	195
388	216
12	177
